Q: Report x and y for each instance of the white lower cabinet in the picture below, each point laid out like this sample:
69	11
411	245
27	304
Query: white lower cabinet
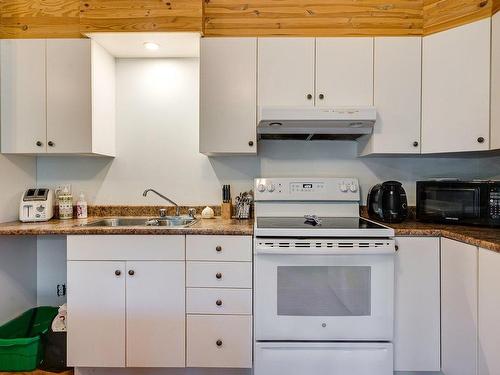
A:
489	306
219	301
126	313
417	305
219	341
459	320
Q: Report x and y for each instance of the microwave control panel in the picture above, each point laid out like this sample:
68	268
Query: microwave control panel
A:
494	203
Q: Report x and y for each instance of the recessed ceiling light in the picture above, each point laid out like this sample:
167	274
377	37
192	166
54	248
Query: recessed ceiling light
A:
151	46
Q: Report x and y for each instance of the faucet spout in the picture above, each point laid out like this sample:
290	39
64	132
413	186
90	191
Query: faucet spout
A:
177	211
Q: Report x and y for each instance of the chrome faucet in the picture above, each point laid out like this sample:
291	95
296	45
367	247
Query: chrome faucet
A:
177	212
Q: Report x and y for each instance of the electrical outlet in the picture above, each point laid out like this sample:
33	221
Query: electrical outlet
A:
61	290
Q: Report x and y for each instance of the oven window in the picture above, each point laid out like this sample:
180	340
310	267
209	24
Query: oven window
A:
324	291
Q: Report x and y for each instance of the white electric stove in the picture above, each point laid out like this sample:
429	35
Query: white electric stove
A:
324	280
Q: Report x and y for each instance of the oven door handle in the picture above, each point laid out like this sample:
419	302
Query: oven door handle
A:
327	251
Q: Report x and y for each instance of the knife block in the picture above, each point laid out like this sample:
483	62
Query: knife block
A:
227	210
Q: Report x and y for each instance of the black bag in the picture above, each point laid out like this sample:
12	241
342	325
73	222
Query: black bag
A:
54	358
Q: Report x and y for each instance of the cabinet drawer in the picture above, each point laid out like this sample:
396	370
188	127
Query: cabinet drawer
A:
125	247
219	275
219	341
219	301
219	248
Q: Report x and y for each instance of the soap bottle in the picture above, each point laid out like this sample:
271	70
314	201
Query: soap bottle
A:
81	207
65	202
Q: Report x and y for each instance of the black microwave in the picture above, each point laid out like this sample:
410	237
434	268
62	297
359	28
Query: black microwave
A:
459	202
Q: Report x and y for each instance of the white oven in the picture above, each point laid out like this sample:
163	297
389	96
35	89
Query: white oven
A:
321	289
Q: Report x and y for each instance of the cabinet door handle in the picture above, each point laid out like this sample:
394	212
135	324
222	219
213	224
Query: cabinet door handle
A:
218	302
309	96
39	144
118	272
218	275
51	144
415	144
218	248
321	96
250	143
218	343
131	272
480	139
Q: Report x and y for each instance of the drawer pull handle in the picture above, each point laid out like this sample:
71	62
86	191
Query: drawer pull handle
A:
218	248
218	275
218	302
219	343
118	272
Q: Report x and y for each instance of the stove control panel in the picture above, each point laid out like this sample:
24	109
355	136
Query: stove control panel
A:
307	189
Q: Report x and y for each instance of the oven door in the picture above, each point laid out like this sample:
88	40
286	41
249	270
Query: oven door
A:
324	294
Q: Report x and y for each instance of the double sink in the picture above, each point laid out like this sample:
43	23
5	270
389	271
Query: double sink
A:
166	221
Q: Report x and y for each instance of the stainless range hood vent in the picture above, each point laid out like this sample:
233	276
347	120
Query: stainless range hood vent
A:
312	123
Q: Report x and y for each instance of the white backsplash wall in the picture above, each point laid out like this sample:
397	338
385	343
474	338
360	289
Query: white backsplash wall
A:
157	146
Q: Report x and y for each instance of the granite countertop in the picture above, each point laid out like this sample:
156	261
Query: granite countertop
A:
65	227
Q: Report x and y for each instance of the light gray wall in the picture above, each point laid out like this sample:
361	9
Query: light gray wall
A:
51	269
17	254
157	146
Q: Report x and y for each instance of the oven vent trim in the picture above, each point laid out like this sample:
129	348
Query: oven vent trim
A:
324	244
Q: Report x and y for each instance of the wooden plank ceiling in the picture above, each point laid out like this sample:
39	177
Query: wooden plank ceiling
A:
70	18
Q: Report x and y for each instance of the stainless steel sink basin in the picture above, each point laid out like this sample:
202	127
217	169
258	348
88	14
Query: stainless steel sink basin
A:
168	221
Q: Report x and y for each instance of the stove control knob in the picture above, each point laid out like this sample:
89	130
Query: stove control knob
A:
261	188
271	188
353	188
343	188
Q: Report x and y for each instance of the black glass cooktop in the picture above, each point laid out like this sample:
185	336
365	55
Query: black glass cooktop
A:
326	223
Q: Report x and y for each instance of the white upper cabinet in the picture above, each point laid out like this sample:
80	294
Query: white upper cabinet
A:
459	318
228	99
456	89
397	97
58	97
344	71
23	100
495	82
286	71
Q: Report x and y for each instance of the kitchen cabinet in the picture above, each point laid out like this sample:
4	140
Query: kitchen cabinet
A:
495	82
456	89
417	305
459	318
489	305
219	301
344	71
57	97
228	96
315	71
286	71
397	97
126	301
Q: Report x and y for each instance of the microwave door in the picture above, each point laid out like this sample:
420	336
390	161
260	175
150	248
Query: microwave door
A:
451	204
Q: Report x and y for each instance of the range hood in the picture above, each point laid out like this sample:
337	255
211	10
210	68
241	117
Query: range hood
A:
315	123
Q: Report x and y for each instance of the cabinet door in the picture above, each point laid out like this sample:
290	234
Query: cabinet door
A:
456	89
458	307
96	314
69	104
286	71
155	314
228	99
495	82
344	71
417	305
23	104
397	96
489	306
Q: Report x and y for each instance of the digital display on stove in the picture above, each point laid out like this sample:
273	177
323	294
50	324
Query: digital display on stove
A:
307	186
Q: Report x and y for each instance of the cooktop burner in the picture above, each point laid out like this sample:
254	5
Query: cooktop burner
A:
326	223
